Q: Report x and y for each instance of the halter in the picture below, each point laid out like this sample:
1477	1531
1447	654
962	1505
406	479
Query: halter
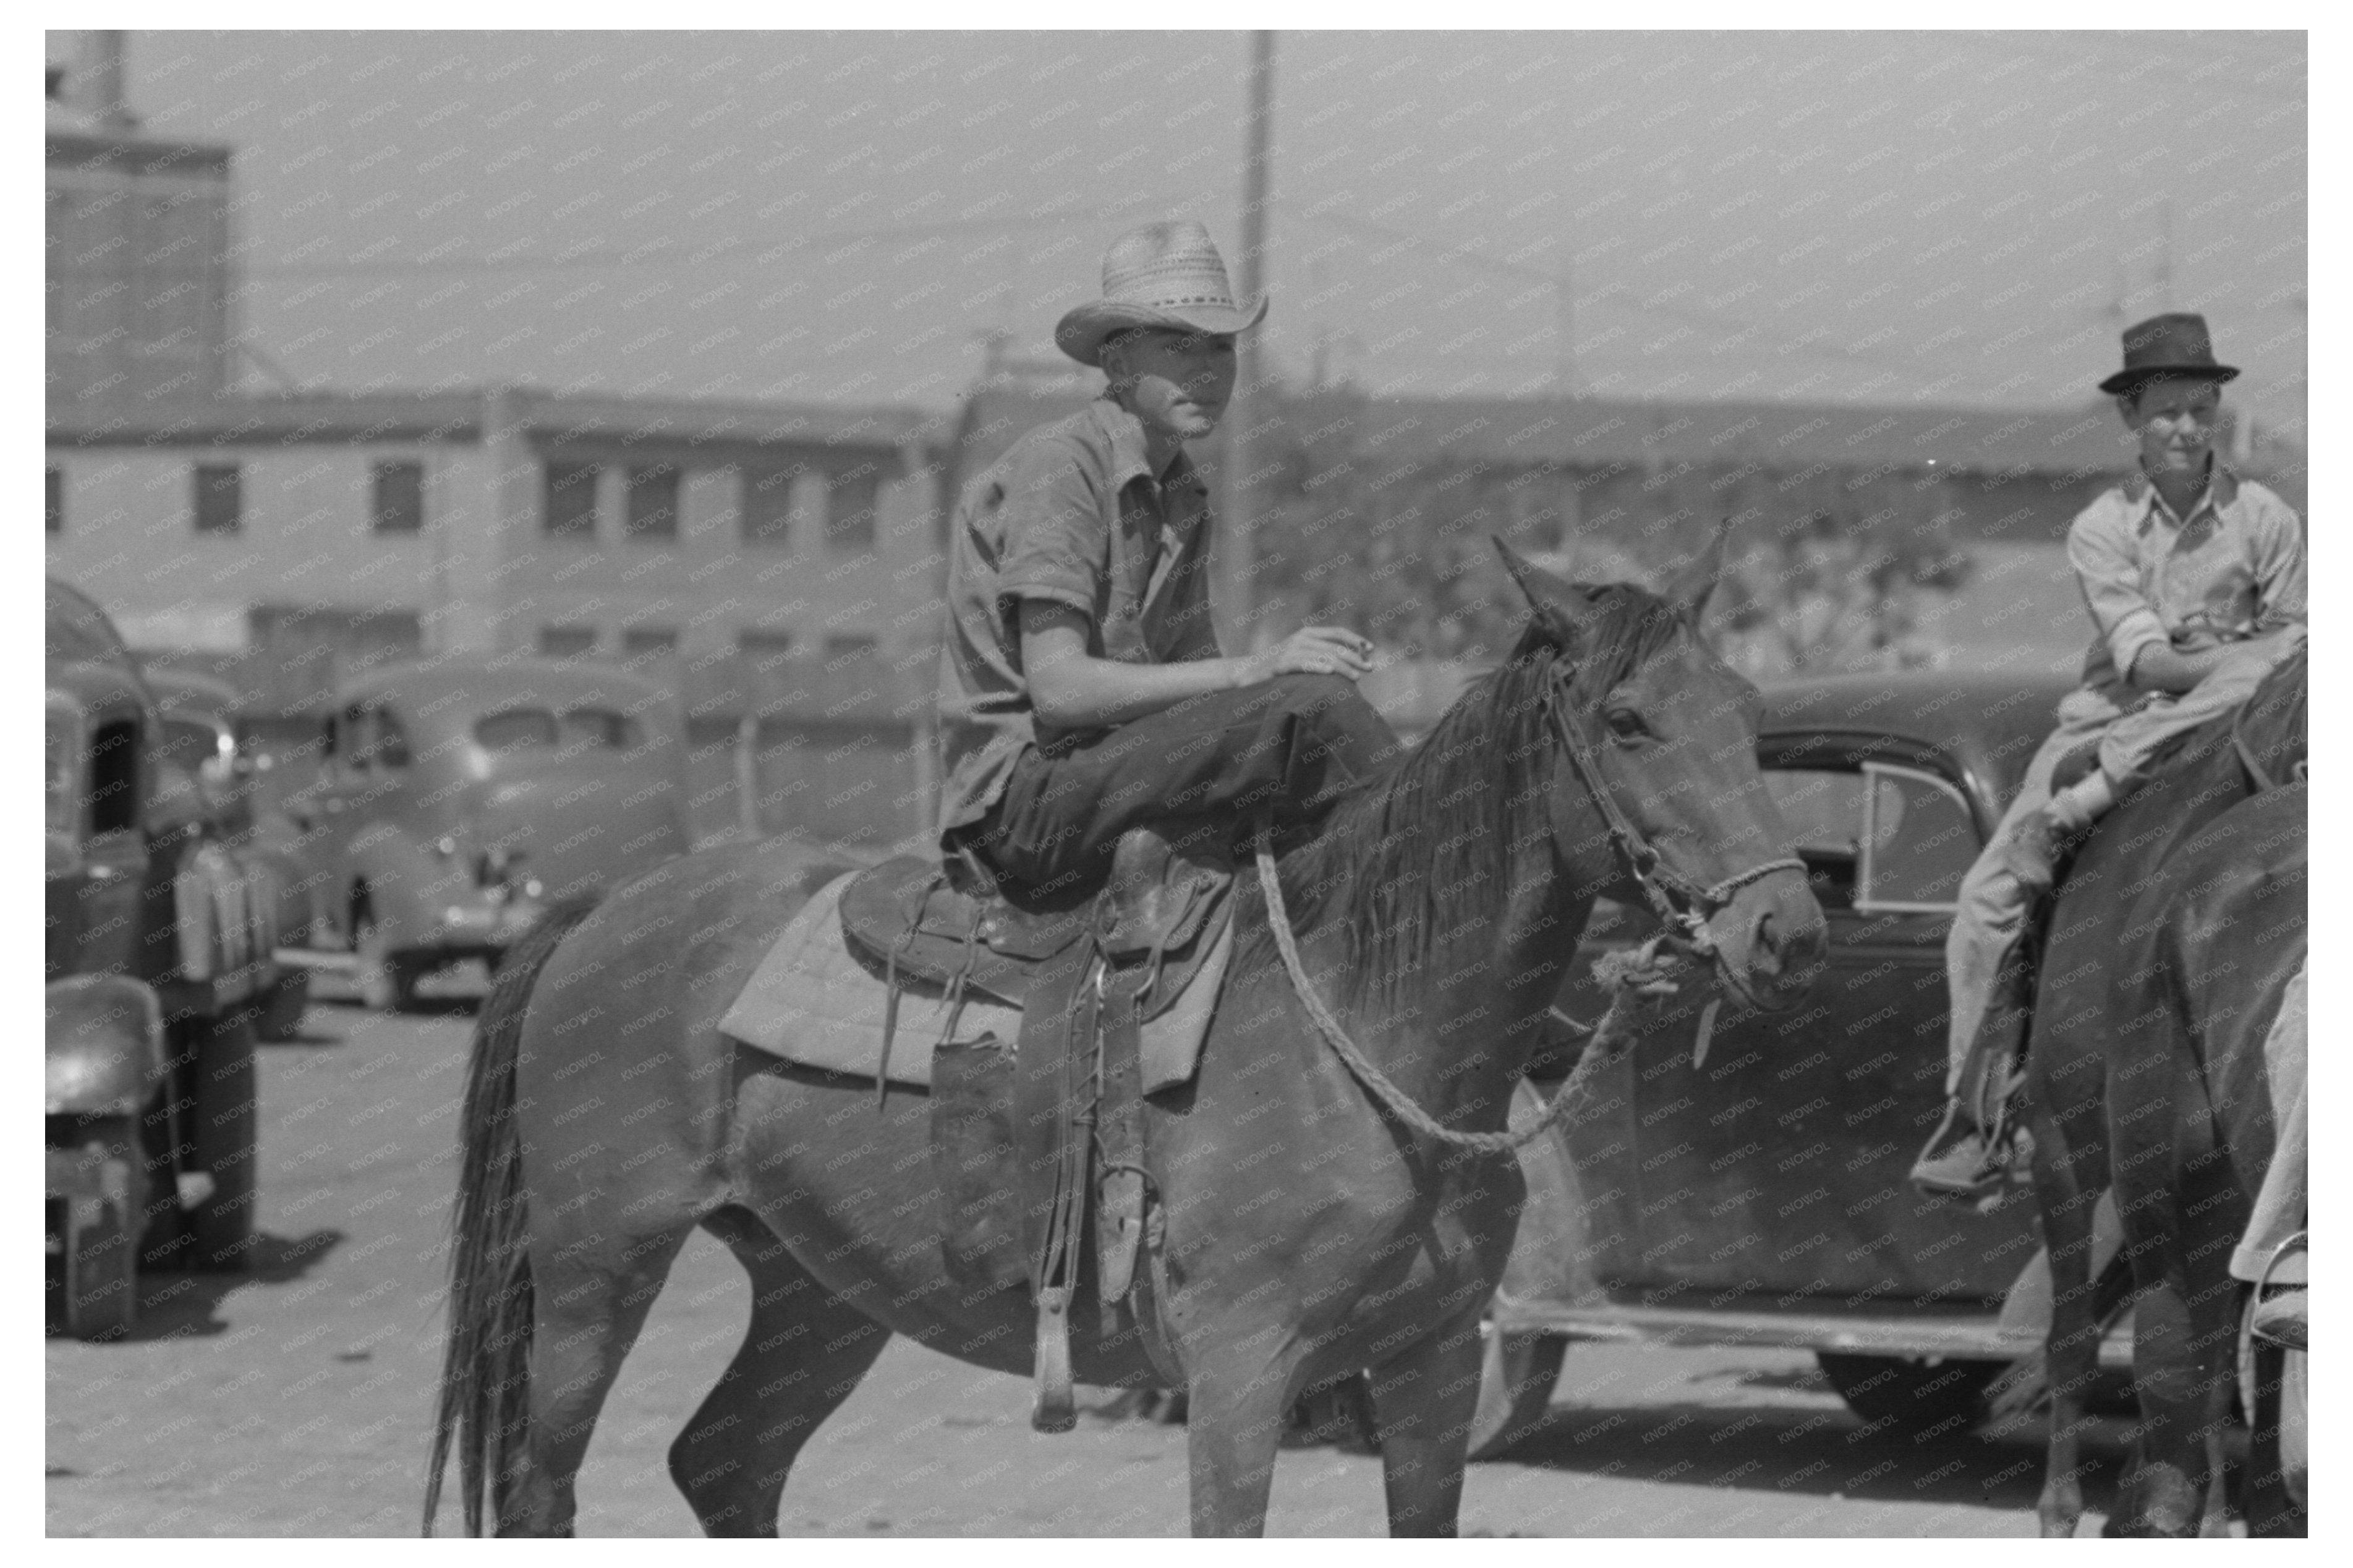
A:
1663	886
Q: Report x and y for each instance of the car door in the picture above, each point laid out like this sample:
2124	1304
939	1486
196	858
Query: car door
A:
1777	1167
341	810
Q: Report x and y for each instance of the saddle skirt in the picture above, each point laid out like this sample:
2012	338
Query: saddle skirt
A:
821	997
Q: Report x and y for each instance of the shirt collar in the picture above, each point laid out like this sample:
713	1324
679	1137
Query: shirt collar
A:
2140	495
1129	460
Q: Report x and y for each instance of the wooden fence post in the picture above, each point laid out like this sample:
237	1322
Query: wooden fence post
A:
748	772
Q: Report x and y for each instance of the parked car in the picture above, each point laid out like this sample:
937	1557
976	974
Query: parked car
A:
458	797
1760	1196
200	737
156	947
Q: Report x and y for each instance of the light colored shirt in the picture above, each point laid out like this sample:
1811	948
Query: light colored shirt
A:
2232	569
1072	514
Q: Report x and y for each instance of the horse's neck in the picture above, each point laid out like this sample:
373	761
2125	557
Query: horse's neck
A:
1475	1009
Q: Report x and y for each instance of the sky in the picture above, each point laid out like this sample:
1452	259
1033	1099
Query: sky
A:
1941	217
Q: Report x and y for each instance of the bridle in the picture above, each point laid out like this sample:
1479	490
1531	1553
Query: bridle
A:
1682	906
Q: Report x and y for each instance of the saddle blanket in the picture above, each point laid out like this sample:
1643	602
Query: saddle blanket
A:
815	1003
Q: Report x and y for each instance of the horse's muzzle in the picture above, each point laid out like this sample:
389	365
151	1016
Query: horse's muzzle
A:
1770	941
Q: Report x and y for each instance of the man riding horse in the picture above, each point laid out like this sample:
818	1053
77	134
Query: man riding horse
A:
2195	582
1081	689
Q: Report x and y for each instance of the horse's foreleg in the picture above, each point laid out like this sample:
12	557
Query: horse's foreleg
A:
589	1303
1425	1399
2214	1522
2072	1345
803	1354
2166	1494
1236	1400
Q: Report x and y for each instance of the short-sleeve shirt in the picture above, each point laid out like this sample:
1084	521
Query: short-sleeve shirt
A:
1071	514
2232	569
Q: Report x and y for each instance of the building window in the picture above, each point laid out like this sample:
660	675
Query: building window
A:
769	506
850	501
568	506
567	642
399	499
653	502
57	501
764	650
641	643
219	506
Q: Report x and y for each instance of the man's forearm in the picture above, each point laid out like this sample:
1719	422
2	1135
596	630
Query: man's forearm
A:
1080	692
2162	668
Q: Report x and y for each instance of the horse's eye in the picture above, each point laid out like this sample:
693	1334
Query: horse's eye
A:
1626	724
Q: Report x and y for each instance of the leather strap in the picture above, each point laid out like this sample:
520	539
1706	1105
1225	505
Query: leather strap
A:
1660	883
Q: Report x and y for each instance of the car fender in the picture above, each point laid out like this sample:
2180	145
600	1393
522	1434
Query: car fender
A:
406	884
104	1045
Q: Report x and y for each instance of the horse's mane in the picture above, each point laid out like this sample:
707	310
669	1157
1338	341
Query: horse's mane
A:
1431	847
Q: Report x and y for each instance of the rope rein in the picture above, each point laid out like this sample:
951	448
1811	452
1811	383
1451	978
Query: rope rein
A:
1610	1036
1634	978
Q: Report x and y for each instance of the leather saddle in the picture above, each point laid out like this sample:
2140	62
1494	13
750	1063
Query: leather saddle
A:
1056	1157
910	920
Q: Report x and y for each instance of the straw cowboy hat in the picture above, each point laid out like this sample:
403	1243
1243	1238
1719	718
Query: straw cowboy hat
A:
1161	275
2175	344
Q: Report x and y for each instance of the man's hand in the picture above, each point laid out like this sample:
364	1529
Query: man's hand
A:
1069	688
1312	650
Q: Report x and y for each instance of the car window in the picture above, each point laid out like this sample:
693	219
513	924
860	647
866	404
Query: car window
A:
1920	840
601	726
391	739
515	729
1822	806
1880	838
188	744
368	740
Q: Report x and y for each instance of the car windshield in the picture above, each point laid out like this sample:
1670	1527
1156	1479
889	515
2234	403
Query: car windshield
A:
525	729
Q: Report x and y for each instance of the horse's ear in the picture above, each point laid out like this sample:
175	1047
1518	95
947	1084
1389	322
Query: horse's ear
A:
1691	586
1561	606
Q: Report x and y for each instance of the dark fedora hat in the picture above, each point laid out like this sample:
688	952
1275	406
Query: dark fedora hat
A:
2174	344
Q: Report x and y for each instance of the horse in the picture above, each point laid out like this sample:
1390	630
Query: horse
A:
1308	1230
2217	938
2083	1067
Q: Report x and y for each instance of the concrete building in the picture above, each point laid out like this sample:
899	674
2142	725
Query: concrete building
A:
320	525
507	519
139	287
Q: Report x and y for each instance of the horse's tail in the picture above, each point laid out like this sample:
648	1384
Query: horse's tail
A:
484	1410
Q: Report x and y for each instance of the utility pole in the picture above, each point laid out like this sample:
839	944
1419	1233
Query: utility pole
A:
1564	374
1238	548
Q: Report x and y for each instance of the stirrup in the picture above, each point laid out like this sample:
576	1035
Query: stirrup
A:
1056	1409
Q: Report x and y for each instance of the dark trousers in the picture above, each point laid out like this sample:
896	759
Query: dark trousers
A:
1287	746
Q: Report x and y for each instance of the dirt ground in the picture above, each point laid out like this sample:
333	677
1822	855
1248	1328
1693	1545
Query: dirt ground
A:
294	1401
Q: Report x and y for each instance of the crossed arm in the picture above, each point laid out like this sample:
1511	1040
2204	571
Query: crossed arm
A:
1072	689
2160	668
